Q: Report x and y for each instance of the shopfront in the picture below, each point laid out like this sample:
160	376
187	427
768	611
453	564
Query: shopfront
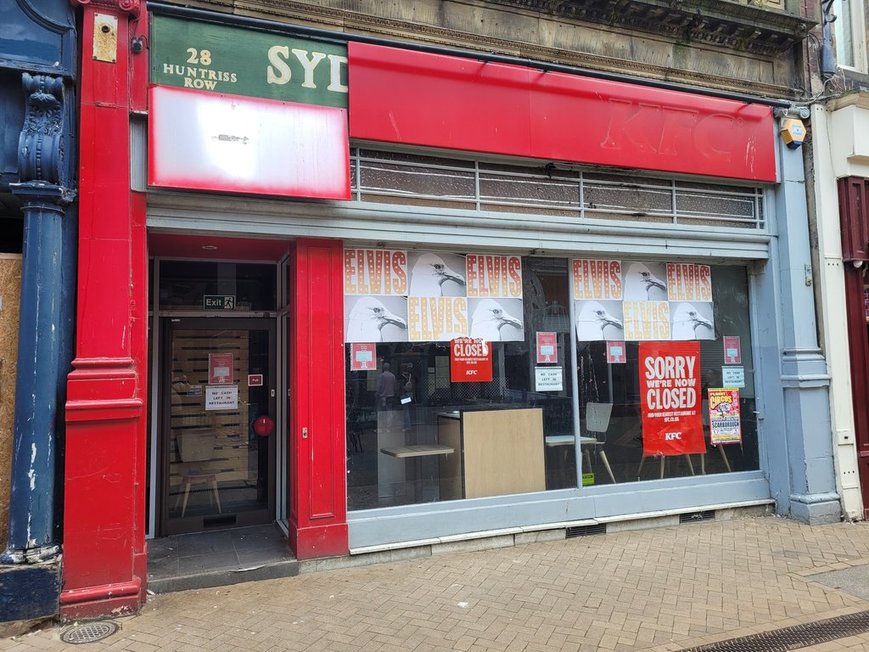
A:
482	363
387	311
841	185
491	390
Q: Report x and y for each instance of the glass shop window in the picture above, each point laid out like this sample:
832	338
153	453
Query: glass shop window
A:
216	286
430	415
656	355
681	402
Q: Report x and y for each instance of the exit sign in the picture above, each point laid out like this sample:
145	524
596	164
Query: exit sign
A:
218	302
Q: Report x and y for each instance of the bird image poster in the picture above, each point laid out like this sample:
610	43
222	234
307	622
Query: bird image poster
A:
642	301
423	296
725	425
670	398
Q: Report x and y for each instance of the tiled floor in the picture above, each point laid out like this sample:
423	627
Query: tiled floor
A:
183	561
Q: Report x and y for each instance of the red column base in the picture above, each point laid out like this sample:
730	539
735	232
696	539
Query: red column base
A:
318	541
99	601
104	554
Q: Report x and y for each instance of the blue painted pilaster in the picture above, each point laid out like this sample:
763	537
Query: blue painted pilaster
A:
41	168
800	446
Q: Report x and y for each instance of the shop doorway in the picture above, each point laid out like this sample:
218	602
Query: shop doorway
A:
217	433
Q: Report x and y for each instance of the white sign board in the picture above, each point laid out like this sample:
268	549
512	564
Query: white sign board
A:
221	397
548	379
733	376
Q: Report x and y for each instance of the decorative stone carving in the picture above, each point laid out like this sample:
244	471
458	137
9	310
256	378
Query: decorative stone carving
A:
131	7
727	24
40	146
581	44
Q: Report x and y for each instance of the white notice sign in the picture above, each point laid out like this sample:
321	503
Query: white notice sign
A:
548	379
733	376
221	397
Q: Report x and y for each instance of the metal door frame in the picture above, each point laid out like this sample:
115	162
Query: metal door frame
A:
161	488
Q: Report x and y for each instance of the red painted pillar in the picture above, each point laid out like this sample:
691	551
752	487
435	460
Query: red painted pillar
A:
104	569
318	477
858	346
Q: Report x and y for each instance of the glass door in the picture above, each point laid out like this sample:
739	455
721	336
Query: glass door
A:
218	423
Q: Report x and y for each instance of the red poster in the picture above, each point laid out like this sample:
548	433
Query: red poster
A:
547	348
732	350
220	369
670	398
470	360
362	356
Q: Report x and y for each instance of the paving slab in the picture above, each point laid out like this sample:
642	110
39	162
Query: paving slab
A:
669	589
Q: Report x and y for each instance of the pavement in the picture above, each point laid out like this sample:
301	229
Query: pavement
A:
662	589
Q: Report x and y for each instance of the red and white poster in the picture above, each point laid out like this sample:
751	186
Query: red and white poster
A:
362	356
670	398
732	350
615	352
725	426
547	348
470	360
220	369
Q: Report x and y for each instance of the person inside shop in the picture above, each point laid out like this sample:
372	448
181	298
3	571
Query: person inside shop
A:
386	388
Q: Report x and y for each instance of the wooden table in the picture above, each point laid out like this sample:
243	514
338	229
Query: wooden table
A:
417	452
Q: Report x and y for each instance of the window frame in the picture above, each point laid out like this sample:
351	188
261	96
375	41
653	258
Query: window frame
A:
856	27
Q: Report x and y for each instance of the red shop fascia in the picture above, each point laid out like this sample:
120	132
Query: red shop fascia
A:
396	96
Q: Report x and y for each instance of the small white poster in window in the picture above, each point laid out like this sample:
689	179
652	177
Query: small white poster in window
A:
548	379
733	376
221	397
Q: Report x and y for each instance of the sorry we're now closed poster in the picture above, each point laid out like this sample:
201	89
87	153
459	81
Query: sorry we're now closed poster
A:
670	398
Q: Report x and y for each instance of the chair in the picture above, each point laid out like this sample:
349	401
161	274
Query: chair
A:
597	420
196	447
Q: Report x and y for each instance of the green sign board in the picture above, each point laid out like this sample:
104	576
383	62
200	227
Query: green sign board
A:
225	59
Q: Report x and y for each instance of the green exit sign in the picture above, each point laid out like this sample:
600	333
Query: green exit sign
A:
218	302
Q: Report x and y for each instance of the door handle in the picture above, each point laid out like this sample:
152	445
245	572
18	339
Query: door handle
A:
304	433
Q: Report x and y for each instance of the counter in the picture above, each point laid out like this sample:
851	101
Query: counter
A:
501	452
